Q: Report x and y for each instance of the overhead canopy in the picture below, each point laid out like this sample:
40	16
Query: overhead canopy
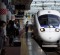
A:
25	3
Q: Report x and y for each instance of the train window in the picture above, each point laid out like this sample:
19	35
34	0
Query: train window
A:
53	20
43	20
49	19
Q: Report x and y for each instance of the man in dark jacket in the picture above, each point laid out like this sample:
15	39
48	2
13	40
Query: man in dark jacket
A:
10	31
26	29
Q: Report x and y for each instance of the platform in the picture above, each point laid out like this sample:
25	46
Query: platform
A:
30	47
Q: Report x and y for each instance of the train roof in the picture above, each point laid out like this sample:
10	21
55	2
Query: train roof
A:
43	12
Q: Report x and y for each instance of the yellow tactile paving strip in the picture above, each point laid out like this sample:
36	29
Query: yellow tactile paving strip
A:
24	47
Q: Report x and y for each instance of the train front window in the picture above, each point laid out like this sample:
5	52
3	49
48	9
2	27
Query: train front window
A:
53	20
43	20
48	19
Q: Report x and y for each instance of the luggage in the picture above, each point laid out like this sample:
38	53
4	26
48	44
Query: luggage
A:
16	42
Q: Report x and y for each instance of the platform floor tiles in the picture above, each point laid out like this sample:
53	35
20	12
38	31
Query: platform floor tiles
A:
28	47
21	50
12	51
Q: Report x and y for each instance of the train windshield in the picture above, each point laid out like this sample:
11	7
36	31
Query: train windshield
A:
48	19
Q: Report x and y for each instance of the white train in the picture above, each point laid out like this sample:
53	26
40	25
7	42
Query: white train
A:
47	28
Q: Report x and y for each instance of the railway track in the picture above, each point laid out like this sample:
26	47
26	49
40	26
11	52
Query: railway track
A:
49	51
52	51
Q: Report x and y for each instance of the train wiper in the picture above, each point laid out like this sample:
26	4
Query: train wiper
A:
51	26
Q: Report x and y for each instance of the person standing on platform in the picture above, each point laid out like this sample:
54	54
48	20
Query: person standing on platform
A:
17	27
11	31
26	29
2	34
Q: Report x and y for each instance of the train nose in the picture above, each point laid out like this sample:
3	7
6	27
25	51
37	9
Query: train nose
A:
50	37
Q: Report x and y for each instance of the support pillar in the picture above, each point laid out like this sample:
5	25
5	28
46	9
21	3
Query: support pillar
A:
3	13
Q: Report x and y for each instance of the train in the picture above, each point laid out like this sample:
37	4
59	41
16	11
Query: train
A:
46	28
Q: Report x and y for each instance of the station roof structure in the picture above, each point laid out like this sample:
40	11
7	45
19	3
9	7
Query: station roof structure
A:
25	3
45	5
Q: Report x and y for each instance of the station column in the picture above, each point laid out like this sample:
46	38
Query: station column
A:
3	14
3	11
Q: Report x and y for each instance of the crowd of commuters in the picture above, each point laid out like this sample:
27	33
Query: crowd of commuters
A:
9	31
12	30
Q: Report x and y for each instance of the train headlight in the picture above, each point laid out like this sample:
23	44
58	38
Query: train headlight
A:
42	29
57	30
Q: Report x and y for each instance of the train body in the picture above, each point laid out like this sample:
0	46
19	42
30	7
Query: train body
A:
47	28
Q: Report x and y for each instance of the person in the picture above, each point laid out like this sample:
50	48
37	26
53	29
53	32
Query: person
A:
26	29
17	28
10	31
2	34
17	24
